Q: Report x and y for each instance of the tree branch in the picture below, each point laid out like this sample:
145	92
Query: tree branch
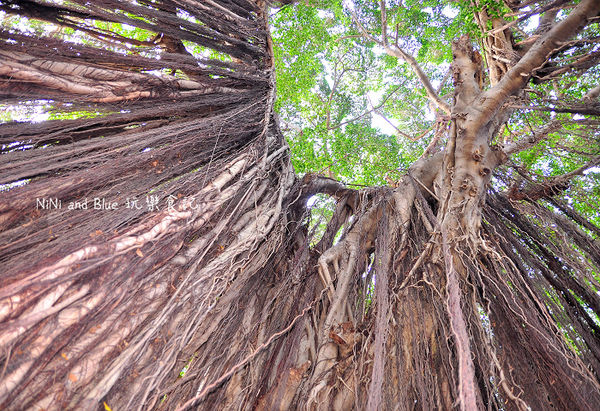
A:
373	109
589	110
552	186
517	77
554	6
395	51
535	137
383	23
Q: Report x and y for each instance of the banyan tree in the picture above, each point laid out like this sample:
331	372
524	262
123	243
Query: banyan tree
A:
159	250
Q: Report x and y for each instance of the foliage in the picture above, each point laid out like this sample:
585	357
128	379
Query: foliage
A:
328	74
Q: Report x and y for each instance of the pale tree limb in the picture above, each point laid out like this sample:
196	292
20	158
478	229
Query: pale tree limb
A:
516	78
593	94
396	51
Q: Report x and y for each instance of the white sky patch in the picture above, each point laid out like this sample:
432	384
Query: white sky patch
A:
39	117
449	11
374	96
33	111
328	69
9	186
378	50
377	121
532	23
157	73
380	124
324	14
429	115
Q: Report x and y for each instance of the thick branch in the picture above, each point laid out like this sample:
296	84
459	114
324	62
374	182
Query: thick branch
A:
314	184
588	110
517	77
552	186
